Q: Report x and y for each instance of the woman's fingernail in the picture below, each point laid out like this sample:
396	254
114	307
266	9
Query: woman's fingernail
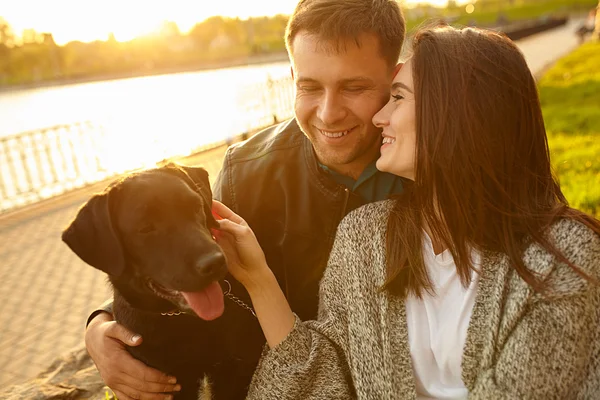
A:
177	388
172	380
135	338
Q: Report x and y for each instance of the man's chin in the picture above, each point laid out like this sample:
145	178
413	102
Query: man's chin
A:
328	155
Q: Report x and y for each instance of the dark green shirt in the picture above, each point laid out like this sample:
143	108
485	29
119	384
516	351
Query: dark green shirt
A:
372	185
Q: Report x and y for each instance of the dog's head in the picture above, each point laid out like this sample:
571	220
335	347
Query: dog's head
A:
150	232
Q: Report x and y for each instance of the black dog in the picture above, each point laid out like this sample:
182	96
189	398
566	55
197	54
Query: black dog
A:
150	232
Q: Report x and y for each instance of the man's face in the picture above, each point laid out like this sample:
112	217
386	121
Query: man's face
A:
337	94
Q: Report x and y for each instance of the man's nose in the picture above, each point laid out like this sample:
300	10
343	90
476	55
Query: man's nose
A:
331	109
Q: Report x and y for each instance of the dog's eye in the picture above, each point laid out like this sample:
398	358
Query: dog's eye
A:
147	229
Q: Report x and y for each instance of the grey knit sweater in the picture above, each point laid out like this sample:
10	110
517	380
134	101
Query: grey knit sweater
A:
520	344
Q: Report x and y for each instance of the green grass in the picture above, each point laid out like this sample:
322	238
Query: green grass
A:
570	97
487	14
522	10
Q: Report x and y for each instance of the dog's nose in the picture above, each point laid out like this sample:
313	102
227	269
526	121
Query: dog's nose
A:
211	264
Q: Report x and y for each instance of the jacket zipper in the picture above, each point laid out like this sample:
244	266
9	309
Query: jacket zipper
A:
346	197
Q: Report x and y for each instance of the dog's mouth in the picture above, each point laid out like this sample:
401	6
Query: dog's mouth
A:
207	304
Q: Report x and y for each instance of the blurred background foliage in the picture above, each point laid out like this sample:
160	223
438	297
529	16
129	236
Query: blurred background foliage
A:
34	57
570	97
31	57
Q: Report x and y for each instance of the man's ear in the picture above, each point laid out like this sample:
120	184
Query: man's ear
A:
92	236
292	72
199	177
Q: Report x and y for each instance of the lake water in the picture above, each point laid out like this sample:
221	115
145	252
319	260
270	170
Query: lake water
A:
128	124
212	101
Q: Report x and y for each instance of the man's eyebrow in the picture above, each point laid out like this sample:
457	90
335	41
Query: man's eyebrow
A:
310	80
400	85
356	79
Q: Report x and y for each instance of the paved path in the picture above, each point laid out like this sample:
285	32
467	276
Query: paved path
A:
46	292
543	49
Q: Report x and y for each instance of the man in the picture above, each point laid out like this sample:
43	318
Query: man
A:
294	182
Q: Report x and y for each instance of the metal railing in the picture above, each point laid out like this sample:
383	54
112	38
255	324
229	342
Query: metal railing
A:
47	162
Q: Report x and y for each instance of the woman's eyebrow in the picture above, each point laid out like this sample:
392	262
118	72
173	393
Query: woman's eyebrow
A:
400	85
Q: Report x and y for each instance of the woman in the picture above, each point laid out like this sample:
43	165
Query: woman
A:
479	281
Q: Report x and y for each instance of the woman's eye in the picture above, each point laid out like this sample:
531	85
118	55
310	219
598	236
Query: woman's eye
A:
397	97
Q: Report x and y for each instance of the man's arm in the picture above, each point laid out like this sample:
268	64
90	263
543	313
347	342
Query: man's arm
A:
105	308
128	378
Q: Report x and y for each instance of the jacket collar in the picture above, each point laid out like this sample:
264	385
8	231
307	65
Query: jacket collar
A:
481	336
325	184
397	358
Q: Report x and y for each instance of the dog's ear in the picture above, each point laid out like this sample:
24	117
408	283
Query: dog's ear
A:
200	178
92	236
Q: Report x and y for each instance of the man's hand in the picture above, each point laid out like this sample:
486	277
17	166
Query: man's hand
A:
127	377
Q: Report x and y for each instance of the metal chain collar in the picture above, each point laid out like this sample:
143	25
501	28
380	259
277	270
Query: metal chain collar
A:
236	300
172	313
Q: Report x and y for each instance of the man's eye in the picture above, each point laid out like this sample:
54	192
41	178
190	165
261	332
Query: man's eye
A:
355	89
308	89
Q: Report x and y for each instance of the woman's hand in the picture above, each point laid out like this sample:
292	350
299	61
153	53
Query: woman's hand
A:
245	258
246	262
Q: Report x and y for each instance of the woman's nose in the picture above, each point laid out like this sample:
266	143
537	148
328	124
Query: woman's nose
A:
381	118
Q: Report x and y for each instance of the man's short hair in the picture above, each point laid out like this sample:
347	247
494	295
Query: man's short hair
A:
336	20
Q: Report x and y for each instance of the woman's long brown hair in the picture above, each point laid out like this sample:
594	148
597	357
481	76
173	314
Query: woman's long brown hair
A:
483	177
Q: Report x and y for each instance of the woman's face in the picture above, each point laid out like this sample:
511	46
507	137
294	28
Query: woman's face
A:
397	119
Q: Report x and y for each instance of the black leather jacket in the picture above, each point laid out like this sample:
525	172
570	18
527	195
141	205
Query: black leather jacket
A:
274	182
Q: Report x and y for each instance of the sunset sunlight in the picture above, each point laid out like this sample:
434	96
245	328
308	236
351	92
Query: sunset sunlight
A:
122	120
70	20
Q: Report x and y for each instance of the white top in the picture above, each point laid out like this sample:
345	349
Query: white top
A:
437	327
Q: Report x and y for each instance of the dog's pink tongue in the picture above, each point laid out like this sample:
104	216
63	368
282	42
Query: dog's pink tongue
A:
207	304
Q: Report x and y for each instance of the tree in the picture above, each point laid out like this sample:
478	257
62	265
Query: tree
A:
596	34
6	43
169	29
217	39
7	36
30	36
